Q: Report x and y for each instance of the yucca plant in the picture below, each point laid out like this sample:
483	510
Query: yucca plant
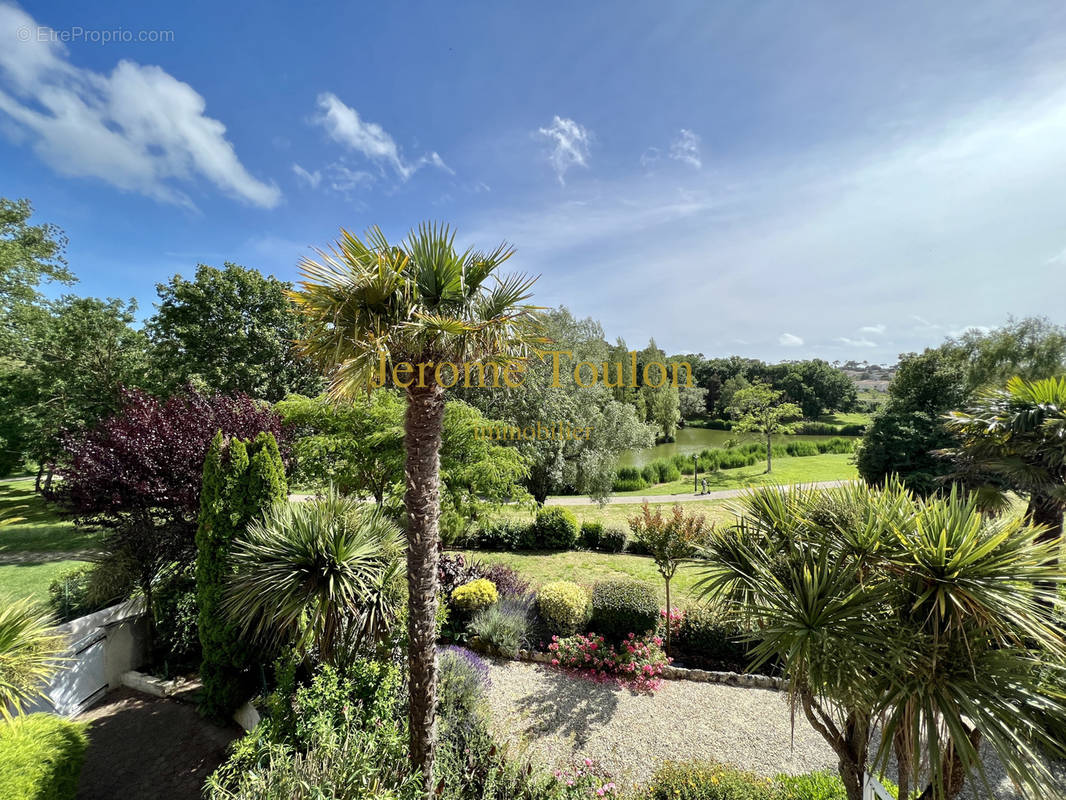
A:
30	654
321	575
1018	435
925	617
423	302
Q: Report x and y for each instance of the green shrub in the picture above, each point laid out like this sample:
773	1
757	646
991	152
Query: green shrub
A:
590	534
177	638
503	533
819	786
504	627
474	596
800	449
240	481
649	474
67	593
621	607
614	539
706	780
708	639
41	757
555	529
564	607
628	479
837	445
462	678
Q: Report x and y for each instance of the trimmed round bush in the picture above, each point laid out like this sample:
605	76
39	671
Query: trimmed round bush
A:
614	539
555	529
563	606
621	607
501	534
709	639
474	596
590	535
41	757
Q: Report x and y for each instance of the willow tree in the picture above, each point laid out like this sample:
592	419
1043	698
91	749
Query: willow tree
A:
371	307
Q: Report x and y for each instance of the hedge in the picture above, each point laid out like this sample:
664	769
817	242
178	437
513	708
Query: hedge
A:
41	756
621	607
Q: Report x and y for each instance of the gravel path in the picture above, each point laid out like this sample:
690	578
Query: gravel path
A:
717	494
560	717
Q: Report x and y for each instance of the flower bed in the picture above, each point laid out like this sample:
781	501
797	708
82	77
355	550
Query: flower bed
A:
634	663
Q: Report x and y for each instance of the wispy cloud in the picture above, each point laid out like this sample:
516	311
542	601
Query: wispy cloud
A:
137	128
686	148
570	145
789	340
311	178
344	125
879	328
844	340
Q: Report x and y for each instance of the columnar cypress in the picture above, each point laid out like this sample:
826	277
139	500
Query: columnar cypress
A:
241	480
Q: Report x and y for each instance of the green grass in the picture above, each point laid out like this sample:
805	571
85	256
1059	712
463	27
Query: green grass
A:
810	469
586	568
846	418
618	513
31	579
41	531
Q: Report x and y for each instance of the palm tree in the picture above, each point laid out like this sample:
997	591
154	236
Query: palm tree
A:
30	654
923	614
367	302
321	575
1018	435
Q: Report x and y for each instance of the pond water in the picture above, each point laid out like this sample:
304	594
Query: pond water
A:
693	440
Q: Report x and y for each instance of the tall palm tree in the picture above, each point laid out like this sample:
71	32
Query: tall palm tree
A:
1018	435
423	302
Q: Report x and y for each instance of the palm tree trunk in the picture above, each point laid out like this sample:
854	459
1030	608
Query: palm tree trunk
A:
422	436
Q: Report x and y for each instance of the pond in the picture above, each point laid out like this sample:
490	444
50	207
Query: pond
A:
693	440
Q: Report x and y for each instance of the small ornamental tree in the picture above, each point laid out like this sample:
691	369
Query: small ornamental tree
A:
669	540
762	409
241	481
138	473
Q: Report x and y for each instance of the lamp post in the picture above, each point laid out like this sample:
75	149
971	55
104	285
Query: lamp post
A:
695	473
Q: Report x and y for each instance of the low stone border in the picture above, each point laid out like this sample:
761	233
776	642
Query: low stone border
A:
684	674
149	684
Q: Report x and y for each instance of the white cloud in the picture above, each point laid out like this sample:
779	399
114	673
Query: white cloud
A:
686	147
344	125
343	179
878	328
856	342
312	178
570	148
139	128
789	340
650	157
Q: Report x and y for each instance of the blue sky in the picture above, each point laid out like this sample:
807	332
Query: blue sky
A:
780	180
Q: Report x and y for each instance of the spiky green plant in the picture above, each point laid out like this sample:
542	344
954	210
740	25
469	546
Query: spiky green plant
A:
30	654
421	302
1018	435
924	615
320	575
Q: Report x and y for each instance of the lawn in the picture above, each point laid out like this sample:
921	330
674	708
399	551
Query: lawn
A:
31	579
810	469
846	418
41	531
586	568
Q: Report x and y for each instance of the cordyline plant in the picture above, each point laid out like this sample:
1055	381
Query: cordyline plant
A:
1017	436
925	618
670	540
422	302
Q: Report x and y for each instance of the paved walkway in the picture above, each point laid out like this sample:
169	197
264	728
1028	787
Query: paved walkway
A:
721	494
149	748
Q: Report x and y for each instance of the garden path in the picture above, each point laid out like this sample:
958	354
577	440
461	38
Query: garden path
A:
720	494
560	717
